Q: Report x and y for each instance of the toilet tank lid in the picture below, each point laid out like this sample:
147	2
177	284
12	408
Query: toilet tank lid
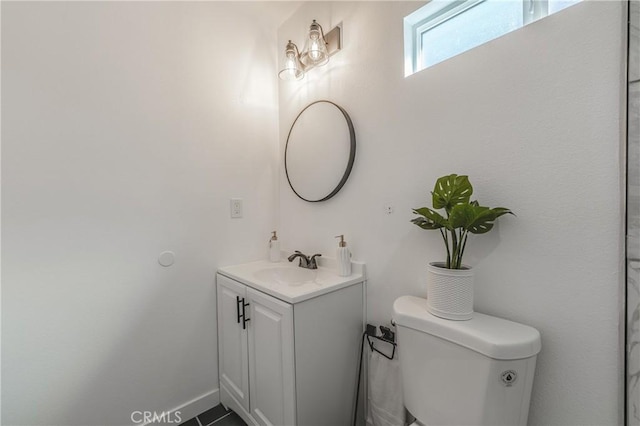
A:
491	336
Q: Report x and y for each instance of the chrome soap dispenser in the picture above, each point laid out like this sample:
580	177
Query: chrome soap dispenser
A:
343	257
274	248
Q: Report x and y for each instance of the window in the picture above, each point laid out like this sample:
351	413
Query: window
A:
442	29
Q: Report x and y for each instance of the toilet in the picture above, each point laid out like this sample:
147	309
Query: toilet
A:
475	372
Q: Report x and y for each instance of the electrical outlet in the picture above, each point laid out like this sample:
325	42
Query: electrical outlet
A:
388	208
236	207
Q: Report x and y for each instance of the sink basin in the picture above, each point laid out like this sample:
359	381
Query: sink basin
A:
292	276
290	283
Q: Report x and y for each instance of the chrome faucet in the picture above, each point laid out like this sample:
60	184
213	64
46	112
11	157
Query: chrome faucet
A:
304	260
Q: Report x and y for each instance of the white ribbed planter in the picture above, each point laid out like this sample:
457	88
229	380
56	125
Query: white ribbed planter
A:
449	292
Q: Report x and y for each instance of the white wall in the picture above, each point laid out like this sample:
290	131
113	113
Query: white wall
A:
534	119
127	127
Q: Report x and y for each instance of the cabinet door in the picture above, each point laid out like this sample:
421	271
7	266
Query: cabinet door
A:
271	366
233	357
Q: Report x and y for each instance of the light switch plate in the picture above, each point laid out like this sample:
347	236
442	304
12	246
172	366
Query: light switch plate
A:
236	208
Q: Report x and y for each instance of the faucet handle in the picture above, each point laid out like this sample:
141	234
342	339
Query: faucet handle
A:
313	263
303	259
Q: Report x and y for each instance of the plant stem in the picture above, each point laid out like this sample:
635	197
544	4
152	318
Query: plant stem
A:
454	244
464	244
460	249
446	244
459	259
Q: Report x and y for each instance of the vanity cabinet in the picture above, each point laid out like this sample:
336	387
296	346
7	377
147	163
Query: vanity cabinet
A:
284	363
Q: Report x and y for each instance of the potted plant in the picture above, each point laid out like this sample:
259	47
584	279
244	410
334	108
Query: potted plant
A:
450	283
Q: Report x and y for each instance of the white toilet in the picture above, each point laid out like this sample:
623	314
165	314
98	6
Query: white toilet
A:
474	372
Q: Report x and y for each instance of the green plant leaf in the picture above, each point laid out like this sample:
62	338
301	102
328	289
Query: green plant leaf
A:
462	216
451	190
500	211
430	219
484	217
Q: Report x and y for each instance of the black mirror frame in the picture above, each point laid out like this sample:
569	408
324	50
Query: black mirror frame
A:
352	152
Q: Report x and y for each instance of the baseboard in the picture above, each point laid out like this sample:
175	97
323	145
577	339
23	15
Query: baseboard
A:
190	409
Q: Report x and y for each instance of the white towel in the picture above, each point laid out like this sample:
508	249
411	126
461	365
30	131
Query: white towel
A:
386	406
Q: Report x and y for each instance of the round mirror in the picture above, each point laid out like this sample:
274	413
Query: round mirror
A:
320	151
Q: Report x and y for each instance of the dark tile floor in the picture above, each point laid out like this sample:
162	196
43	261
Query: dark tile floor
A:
217	416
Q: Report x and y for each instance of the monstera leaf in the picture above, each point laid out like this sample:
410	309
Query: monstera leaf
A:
483	222
450	191
430	219
462	216
475	218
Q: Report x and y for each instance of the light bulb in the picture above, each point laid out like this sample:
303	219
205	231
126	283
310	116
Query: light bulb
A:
315	52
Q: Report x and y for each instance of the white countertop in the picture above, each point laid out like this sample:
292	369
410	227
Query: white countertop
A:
260	275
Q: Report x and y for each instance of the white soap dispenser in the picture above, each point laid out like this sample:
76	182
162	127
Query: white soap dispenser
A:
274	248
343	256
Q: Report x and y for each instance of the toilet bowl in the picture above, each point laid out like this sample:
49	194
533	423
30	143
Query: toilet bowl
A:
475	372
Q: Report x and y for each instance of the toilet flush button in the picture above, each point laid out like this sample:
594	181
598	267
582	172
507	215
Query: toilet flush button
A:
166	258
509	377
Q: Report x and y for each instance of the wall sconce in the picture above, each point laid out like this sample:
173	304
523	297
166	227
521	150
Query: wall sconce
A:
317	49
292	67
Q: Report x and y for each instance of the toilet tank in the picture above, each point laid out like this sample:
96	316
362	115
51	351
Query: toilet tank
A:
474	372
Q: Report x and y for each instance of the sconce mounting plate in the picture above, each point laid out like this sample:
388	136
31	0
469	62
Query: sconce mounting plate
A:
334	40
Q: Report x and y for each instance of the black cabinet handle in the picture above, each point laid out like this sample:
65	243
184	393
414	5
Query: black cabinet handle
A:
244	315
238	308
